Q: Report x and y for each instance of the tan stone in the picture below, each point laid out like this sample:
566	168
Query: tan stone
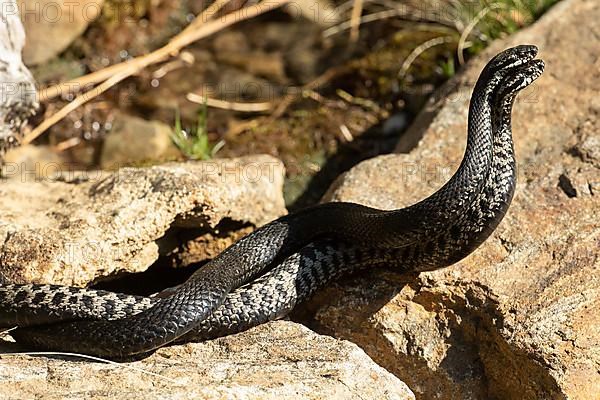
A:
519	318
51	25
133	139
75	227
34	161
279	360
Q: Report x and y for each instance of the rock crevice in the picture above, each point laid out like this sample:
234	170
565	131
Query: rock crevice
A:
82	229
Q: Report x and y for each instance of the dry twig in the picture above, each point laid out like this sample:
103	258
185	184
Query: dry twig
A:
229	105
469	28
420	49
136	64
355	20
112	75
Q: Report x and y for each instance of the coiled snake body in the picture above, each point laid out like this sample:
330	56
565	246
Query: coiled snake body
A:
265	274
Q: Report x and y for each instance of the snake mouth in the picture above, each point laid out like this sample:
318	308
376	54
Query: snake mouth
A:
524	75
518	78
534	68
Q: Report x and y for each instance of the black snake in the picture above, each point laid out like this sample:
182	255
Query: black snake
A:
265	274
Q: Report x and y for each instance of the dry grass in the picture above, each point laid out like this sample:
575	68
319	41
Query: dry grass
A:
474	24
205	24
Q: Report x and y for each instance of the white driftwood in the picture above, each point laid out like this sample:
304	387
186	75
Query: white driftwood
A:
18	99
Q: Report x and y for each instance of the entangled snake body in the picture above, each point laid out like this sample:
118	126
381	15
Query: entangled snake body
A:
265	274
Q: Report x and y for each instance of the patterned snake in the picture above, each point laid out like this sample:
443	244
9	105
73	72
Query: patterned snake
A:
265	274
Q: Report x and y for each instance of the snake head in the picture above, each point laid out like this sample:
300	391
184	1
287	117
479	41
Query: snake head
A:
510	71
520	78
511	58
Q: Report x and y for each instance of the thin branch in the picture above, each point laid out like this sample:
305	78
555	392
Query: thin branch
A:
67	144
420	49
363	20
355	20
73	105
469	28
197	30
289	99
135	64
229	105
407	13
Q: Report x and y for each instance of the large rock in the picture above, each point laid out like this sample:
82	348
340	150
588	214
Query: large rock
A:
279	360
51	25
72	228
519	318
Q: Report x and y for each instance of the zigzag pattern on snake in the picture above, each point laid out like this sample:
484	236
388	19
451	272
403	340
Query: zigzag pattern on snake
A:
265	274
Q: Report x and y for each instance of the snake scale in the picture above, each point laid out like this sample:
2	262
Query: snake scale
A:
265	274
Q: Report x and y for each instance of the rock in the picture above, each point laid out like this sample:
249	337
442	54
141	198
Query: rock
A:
33	162
133	139
257	63
74	228
519	318
18	95
274	361
52	25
